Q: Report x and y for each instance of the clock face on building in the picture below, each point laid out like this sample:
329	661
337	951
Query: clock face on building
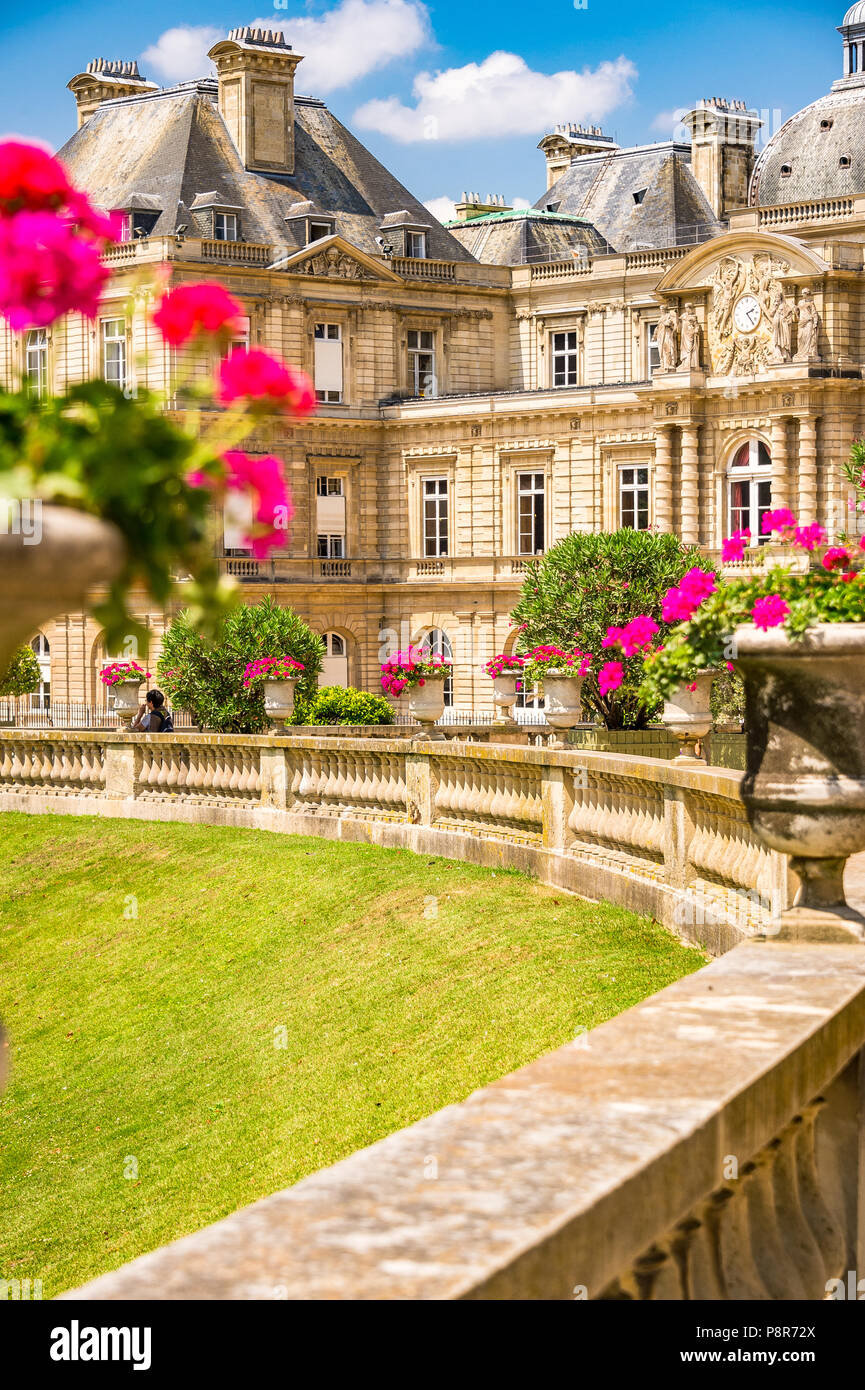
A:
747	313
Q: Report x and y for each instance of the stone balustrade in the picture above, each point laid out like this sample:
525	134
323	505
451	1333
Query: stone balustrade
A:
654	836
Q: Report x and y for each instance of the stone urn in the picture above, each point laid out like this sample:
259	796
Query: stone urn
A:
124	698
804	785
563	704
688	716
426	704
53	571
505	694
279	700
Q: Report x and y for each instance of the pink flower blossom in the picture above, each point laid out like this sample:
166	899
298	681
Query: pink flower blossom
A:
733	548
198	308
681	602
730	667
255	376
836	558
613	637
610	677
780	520
271	668
31	179
770	611
263	477
809	536
47	270
638	633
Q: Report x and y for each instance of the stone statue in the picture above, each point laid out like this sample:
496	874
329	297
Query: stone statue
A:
689	343
726	281
809	327
783	314
665	338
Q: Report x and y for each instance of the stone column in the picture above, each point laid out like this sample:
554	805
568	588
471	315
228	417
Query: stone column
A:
274	777
663	501
120	770
689	529
780	465
807	470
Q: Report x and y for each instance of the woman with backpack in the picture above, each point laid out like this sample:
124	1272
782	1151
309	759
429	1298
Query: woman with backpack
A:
153	717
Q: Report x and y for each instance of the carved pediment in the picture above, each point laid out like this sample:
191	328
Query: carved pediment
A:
332	258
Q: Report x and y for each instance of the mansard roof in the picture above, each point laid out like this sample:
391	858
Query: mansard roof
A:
638	199
172	145
817	153
526	236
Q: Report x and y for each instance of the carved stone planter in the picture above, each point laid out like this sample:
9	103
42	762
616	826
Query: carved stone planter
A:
426	704
804	787
505	695
279	699
75	552
688	716
124	698
563	705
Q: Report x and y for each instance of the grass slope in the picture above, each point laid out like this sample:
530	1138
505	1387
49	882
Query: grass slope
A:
275	1004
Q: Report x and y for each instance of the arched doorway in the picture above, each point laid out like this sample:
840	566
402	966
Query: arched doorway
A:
749	489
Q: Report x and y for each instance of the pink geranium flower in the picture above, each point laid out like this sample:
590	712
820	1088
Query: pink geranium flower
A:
31	179
264	478
681	602
257	377
770	611
733	548
809	536
199	308
780	520
610	677
836	558
47	270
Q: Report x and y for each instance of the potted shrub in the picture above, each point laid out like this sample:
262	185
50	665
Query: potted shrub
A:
507	678
561	674
23	677
798	641
120	493
278	677
421	678
123	679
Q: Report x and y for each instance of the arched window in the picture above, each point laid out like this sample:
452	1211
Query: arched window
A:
749	489
334	669
437	643
39	645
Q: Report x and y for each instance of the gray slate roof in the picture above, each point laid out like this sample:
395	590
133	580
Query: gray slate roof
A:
527	237
813	154
173	146
601	188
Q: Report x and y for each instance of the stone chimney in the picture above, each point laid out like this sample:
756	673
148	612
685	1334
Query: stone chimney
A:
723	134
568	142
255	68
103	80
473	205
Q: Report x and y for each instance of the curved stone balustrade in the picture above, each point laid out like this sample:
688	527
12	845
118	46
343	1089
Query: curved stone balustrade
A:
659	838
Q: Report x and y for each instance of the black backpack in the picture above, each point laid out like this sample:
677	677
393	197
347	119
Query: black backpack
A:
167	725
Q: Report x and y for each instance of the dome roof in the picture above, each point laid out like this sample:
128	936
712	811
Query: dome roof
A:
819	152
855	14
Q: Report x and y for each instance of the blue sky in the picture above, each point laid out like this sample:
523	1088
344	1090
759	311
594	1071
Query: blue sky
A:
451	95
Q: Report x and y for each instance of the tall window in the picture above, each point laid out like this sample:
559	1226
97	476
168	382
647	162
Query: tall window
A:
437	643
634	498
749	489
530	502
330	518
415	245
37	361
42	651
653	354
565	354
435	516
331	547
114	352
328	362
225	226
421	362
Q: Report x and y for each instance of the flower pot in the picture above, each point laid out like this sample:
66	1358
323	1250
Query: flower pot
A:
124	697
688	716
73	553
426	704
279	698
505	695
563	705
804	785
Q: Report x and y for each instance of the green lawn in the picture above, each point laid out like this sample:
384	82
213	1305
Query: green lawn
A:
275	1004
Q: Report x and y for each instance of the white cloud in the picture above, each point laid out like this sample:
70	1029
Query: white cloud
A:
443	208
344	44
518	204
352	40
669	123
181	53
499	96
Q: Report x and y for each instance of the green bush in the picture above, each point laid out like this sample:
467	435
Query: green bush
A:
336	704
587	583
22	675
206	678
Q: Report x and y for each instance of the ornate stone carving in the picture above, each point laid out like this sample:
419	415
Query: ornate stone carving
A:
783	314
334	263
749	317
666	337
809	329
689	340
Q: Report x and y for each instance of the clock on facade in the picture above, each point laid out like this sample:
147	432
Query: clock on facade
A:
747	313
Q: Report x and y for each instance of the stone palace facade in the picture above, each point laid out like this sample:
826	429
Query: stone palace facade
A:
672	337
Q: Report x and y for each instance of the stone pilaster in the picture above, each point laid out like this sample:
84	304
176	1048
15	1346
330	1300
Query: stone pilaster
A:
690	499
663	502
780	464
807	511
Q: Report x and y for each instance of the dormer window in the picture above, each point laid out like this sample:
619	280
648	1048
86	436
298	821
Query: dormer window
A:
640	195
415	245
124	223
225	226
318	228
